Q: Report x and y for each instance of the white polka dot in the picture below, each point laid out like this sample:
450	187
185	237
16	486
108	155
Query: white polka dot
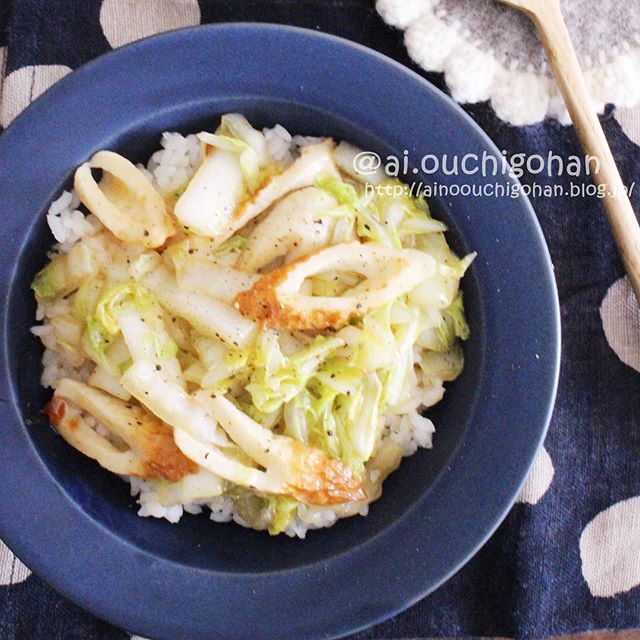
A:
12	571
621	322
629	119
538	480
124	21
610	549
23	86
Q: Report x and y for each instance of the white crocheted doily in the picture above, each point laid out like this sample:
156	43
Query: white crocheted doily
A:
488	51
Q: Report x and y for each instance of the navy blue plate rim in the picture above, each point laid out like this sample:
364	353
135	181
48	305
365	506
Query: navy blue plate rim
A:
28	475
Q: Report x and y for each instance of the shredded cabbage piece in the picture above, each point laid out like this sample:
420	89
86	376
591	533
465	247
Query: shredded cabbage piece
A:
276	379
249	163
66	272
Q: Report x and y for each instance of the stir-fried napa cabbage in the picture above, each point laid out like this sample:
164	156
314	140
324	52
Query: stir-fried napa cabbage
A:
270	334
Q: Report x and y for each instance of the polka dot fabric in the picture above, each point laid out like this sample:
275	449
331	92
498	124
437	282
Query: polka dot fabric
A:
23	86
124	21
567	557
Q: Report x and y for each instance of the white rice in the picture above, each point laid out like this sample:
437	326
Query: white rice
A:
174	164
303	141
169	169
284	147
279	143
411	430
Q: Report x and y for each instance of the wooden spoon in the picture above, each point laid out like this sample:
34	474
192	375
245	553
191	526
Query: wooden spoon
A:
547	17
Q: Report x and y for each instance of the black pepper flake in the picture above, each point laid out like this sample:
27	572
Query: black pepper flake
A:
146	233
206	455
158	367
330	433
191	251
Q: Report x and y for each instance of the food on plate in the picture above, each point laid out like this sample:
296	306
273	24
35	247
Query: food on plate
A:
247	325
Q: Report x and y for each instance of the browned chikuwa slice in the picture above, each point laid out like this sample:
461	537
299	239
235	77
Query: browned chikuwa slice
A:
277	301
143	445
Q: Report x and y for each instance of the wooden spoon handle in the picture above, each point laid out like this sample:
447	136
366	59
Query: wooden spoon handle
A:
547	16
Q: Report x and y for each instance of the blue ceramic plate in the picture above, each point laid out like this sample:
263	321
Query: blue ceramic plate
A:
76	526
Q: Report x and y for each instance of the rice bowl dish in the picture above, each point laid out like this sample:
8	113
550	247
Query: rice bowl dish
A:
440	505
247	326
